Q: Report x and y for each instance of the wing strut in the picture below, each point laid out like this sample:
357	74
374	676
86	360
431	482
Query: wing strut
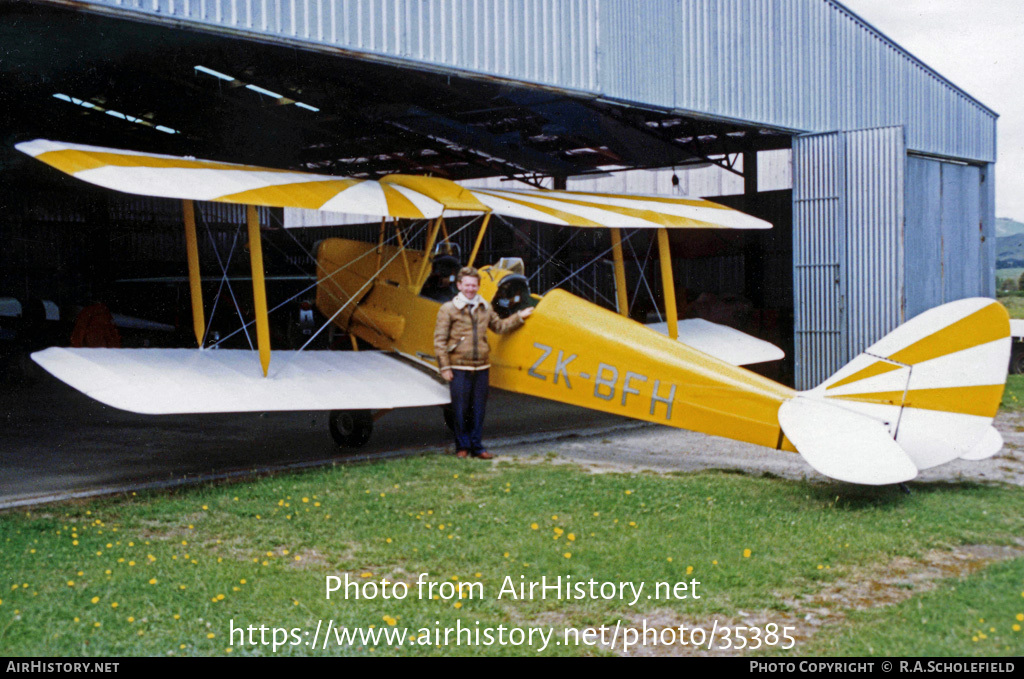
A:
479	239
194	282
259	289
620	272
668	284
421	276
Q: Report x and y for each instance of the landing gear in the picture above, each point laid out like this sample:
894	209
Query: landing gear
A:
351	428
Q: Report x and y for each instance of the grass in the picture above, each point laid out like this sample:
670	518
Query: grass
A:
180	567
1013	395
981	615
1014	304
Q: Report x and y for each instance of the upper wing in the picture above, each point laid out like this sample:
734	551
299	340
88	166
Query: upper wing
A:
403	196
150	174
170	381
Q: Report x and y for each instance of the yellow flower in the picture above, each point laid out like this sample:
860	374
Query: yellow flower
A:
152	581
568	555
242	581
1020	617
458	604
746	553
95	599
689	569
534	526
629	492
554	517
71	583
211	635
366	575
572	537
113	604
389	620
131	619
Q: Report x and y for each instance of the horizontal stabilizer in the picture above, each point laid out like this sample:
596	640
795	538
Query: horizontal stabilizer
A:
723	342
844	445
174	381
990	444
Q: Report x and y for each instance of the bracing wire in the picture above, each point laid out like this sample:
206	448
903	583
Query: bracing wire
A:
224	275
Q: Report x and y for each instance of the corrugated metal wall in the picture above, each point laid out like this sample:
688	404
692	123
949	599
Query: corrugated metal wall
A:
805	65
819	250
848	218
950	233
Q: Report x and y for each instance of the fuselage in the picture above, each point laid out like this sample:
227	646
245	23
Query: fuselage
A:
570	350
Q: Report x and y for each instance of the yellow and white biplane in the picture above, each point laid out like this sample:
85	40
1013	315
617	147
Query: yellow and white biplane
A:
923	395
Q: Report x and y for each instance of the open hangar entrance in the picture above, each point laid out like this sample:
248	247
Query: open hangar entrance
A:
110	81
892	201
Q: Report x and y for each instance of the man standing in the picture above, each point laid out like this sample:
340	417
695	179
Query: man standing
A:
460	342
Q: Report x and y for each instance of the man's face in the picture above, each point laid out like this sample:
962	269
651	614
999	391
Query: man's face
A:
468	285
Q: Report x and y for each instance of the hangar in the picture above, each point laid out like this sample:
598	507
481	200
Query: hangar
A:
890	208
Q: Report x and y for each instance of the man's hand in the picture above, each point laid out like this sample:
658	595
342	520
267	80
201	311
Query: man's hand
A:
447	374
526	313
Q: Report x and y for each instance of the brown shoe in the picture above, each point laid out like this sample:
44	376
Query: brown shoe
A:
462	454
484	455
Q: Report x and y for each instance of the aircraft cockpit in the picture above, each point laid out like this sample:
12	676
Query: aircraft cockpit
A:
440	285
513	293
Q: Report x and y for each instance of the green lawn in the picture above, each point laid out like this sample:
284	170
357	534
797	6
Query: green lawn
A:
166	574
1014	304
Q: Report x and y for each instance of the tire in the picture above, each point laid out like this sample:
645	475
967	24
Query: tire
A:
1017	358
351	428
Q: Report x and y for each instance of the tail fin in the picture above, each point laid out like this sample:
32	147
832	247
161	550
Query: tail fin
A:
934	385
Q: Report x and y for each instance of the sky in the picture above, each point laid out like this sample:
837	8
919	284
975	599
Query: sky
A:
978	45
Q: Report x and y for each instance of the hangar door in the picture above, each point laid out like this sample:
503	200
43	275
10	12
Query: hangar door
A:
848	214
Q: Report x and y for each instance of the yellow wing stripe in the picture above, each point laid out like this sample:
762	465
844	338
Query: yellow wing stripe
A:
309	195
670	200
979	400
650	215
444	191
73	161
568	217
400	206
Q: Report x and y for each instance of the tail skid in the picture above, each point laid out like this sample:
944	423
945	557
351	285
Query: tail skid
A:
930	389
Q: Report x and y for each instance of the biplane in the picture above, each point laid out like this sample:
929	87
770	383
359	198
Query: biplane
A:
923	395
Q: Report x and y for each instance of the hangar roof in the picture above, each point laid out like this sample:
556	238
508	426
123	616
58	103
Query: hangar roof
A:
468	88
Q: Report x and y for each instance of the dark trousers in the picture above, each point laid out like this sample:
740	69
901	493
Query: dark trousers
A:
469	404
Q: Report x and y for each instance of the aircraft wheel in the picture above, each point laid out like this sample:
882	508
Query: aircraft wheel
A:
1017	359
351	428
449	417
